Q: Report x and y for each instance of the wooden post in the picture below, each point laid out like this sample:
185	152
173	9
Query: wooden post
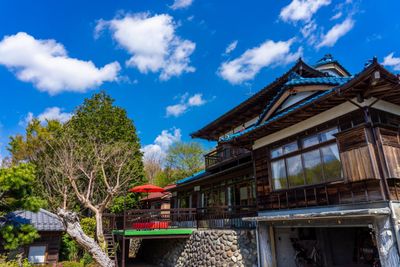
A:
123	251
266	256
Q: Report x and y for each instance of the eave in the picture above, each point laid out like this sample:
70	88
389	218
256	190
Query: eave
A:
360	86
253	106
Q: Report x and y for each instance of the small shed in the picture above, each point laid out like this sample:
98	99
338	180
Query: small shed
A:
45	249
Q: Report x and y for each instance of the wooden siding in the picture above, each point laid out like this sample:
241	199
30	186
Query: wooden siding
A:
392	156
361	181
359	164
261	174
357	155
52	242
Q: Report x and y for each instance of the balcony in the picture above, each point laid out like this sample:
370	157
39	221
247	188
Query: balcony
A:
177	222
225	154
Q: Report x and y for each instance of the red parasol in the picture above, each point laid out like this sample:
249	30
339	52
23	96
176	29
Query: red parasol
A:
146	188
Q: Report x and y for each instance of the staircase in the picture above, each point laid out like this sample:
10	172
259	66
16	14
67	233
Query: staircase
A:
111	247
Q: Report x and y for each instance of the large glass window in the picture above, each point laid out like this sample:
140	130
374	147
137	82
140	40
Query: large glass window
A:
331	159
279	174
295	171
313	167
310	160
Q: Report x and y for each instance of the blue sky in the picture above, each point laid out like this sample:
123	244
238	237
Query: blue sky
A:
174	66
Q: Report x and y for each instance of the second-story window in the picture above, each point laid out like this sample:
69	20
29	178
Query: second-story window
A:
311	160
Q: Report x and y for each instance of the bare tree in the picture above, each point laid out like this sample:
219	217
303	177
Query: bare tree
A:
94	175
152	165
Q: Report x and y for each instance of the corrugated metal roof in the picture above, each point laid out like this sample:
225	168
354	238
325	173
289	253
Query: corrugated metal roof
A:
42	220
193	177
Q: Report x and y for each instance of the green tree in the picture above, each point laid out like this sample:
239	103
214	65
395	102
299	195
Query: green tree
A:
16	193
31	147
96	159
183	160
98	120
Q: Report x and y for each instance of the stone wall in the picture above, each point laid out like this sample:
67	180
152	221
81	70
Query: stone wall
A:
203	248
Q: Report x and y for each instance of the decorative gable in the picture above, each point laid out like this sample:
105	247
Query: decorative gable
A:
297	89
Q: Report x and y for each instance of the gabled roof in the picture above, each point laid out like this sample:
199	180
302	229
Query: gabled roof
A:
253	106
42	220
358	84
297	80
329	60
159	195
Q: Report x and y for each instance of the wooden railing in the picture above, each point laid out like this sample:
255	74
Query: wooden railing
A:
147	219
225	217
223	154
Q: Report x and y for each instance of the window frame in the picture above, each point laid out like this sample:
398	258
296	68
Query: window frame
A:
300	151
39	244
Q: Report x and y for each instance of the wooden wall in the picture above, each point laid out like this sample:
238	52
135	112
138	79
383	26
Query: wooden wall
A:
261	174
390	140
53	241
361	181
357	154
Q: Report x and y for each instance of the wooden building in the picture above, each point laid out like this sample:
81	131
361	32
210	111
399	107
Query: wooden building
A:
313	160
158	200
45	249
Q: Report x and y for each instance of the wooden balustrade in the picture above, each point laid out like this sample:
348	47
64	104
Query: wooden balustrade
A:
222	154
211	217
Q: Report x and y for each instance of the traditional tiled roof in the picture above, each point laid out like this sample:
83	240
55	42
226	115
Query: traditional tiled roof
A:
159	195
295	80
329	80
42	220
253	105
280	115
193	177
328	58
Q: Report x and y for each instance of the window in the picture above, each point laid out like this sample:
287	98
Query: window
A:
37	254
279	174
310	160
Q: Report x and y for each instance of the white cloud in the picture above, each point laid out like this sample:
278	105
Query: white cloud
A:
52	113
179	4
176	110
45	63
162	143
196	100
152	43
185	103
301	10
231	47
247	66
391	61
337	15
336	32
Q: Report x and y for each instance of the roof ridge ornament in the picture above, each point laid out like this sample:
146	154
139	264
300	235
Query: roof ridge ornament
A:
326	58
371	61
